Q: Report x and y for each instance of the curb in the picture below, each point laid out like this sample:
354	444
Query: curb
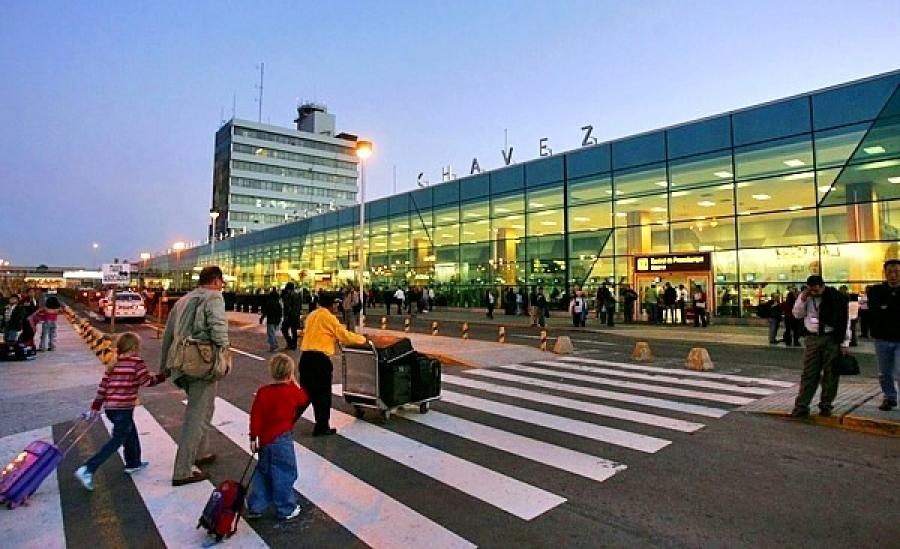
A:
447	359
847	422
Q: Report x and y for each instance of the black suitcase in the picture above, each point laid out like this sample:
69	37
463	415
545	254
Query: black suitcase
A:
426	378
395	382
17	351
393	351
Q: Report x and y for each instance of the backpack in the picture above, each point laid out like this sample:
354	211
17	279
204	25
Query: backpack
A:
764	310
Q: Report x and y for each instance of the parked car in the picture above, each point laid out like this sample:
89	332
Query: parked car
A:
129	305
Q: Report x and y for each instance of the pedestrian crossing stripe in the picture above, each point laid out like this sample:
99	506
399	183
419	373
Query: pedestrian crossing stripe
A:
505	493
649	388
360	508
652	402
44	508
175	517
579	405
600	433
682	373
564	459
657	378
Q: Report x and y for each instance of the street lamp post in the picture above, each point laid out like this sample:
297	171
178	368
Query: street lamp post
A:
363	151
213	215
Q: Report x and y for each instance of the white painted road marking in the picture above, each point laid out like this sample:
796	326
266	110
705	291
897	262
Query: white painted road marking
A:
661	389
44	510
579	405
505	493
175	511
618	437
375	518
551	455
689	373
656	378
652	402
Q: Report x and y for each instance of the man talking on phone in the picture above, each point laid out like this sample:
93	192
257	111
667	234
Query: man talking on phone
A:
826	317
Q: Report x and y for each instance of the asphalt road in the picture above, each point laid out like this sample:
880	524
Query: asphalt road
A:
739	481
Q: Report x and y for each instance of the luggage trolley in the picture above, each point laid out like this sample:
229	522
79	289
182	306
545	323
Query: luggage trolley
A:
364	385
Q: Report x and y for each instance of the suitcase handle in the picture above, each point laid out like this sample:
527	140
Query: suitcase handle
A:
65	445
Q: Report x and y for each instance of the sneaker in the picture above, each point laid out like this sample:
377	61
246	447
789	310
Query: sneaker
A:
324	433
799	412
824	412
887	405
85	478
294	514
141	465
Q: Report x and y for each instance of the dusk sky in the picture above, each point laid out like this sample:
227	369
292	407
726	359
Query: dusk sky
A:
109	109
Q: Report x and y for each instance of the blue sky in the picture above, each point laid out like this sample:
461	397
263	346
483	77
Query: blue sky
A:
109	108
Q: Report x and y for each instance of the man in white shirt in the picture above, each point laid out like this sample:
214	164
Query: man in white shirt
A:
399	298
825	315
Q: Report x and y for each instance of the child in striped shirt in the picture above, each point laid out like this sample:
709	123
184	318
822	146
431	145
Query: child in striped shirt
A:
118	393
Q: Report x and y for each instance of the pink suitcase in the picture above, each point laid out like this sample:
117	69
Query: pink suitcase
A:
27	471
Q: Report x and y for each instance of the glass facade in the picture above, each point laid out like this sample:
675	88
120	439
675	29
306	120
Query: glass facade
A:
772	193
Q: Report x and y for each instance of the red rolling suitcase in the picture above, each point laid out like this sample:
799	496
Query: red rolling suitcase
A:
27	471
223	509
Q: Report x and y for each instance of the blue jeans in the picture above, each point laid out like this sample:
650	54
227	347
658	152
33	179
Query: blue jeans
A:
48	335
124	434
888	353
11	336
273	481
271	330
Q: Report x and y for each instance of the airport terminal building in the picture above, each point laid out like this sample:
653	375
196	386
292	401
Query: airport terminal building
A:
743	203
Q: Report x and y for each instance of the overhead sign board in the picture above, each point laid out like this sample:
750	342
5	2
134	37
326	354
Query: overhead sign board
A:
116	274
674	262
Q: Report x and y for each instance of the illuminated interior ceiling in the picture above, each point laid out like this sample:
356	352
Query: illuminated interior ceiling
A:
873	170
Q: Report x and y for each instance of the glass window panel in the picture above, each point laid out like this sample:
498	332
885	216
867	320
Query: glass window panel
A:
544	171
590	217
641	240
699	137
594	243
478	231
708	169
444	256
790	192
420	199
778	229
508	204
642	211
507	179
545	198
446	235
853	103
398	204
590	189
446	193
781	264
877	180
649	179
590	272
703	235
545	222
639	150
780	119
860	222
834	147
512	223
377	208
588	161
474	186
776	157
472	211
882	141
856	262
703	203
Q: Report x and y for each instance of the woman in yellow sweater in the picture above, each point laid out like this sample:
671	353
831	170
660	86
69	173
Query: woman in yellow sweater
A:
320	334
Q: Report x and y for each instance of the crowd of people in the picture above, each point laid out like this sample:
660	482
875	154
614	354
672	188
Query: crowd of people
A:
28	312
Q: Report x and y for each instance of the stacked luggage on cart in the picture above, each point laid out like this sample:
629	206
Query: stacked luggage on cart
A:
387	374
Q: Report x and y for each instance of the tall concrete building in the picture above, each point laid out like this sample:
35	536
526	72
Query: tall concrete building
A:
266	175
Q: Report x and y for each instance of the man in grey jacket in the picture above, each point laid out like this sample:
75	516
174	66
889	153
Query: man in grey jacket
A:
201	315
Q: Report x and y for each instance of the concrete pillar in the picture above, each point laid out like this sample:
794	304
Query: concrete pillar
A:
638	235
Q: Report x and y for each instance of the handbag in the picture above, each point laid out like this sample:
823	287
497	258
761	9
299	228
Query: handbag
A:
847	365
197	358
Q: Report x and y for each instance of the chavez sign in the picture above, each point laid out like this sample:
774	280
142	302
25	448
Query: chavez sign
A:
674	262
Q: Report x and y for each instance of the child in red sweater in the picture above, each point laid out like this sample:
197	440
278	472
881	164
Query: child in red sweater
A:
118	392
275	409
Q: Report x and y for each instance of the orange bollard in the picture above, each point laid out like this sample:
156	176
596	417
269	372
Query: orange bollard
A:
465	330
501	335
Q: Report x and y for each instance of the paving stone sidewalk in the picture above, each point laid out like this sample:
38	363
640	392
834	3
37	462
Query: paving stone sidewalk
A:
55	387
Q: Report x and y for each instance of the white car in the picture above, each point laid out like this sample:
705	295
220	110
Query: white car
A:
129	305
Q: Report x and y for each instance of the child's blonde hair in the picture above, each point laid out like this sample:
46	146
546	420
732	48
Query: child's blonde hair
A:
127	342
281	366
